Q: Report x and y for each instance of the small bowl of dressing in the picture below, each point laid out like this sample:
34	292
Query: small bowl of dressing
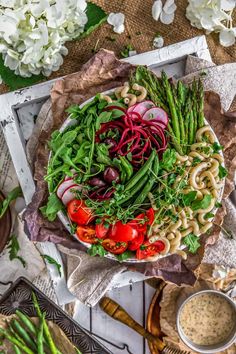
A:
206	321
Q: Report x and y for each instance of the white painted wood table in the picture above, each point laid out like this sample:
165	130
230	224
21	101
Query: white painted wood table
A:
19	110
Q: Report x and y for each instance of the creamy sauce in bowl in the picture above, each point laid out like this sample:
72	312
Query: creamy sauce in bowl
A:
207	319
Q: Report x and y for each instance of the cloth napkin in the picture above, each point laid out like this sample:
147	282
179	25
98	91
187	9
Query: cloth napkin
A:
88	278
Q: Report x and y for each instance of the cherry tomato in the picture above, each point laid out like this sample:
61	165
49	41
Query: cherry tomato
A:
79	212
150	215
114	247
101	230
149	249
136	243
123	232
86	234
139	223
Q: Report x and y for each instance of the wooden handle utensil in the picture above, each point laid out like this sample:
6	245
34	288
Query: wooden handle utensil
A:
117	312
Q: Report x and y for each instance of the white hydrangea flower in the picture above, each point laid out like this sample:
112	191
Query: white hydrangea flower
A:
158	42
164	11
213	16
33	33
117	21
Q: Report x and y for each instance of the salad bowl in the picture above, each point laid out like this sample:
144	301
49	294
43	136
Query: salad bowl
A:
198	161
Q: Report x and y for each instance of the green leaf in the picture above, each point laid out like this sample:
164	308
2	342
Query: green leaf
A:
218	205
203	203
51	209
15	81
97	249
96	16
196	161
15	193
192	242
208	216
51	260
125	52
189	198
14	248
124	256
168	160
217	147
222	172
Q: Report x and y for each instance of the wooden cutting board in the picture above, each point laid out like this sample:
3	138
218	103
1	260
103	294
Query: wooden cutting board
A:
153	317
5	226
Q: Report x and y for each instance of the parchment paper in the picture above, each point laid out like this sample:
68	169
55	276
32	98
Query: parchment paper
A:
103	72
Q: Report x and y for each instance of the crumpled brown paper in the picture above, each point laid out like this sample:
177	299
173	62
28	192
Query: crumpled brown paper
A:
103	72
173	297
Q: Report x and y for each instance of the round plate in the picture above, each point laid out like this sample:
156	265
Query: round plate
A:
5	226
69	122
153	317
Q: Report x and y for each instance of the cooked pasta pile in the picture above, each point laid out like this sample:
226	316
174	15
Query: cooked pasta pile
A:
201	177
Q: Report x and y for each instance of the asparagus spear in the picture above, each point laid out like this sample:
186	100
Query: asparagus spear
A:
170	100
201	105
16	342
48	336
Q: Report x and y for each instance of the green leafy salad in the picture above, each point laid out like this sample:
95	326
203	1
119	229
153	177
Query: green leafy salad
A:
138	172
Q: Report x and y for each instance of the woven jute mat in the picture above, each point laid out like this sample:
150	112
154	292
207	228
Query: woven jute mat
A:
140	31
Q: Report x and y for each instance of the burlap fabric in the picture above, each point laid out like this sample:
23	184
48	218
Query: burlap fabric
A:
140	31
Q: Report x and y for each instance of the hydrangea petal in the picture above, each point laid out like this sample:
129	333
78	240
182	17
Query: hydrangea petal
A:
156	9
167	19
169	7
227	37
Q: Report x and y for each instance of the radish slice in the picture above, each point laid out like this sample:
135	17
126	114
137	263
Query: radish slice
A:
143	107
130	109
63	186
158	114
69	194
67	178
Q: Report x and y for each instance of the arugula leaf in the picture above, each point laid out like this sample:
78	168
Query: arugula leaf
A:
208	216
97	249
196	161
50	210
218	205
123	256
14	248
51	260
15	193
168	160
102	151
192	242
189	198
222	172
203	203
216	147
15	81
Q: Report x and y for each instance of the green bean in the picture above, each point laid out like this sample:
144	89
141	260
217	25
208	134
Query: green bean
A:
127	166
26	321
16	342
143	170
23	334
139	200
17	350
40	336
135	189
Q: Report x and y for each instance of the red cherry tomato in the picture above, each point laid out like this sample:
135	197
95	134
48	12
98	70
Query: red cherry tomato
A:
150	215
139	223
149	249
101	230
79	212
114	247
136	243
123	232
86	234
